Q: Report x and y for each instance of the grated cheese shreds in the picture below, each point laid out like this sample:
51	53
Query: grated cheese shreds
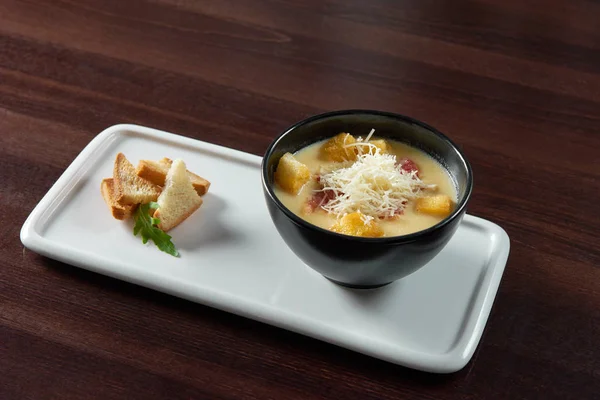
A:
369	135
373	185
361	144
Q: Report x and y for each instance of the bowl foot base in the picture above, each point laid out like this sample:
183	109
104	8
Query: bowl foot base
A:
350	286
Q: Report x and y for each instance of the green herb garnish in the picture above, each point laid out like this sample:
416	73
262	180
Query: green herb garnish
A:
147	226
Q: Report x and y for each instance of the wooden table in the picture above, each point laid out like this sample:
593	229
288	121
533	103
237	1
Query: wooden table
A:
516	83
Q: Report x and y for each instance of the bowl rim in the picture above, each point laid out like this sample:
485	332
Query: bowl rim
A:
411	237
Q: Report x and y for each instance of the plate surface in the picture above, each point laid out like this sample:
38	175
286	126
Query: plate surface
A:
233	259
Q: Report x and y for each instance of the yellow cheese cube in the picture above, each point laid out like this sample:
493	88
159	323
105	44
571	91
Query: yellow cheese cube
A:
334	149
440	205
353	224
291	174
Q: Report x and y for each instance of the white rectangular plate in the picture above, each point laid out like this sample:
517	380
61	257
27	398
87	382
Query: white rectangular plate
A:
233	259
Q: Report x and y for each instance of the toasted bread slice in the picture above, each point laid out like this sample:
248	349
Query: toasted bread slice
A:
130	188
178	199
153	171
156	172
108	193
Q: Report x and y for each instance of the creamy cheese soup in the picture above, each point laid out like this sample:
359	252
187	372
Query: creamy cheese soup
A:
375	177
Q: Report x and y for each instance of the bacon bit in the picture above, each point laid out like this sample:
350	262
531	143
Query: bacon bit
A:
408	165
318	199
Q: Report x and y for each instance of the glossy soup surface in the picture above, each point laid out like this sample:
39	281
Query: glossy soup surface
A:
430	171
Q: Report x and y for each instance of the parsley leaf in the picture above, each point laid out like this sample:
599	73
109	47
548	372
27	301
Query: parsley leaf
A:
146	225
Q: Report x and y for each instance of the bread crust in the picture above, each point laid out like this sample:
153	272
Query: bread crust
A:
156	172
126	181
151	171
117	211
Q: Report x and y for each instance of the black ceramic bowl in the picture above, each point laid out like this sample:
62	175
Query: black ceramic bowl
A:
355	261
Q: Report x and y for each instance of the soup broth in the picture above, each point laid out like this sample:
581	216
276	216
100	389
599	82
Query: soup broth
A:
409	220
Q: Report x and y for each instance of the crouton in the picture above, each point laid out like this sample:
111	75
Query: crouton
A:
336	149
291	175
365	148
439	205
353	225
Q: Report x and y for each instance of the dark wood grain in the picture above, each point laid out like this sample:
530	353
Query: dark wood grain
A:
516	83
